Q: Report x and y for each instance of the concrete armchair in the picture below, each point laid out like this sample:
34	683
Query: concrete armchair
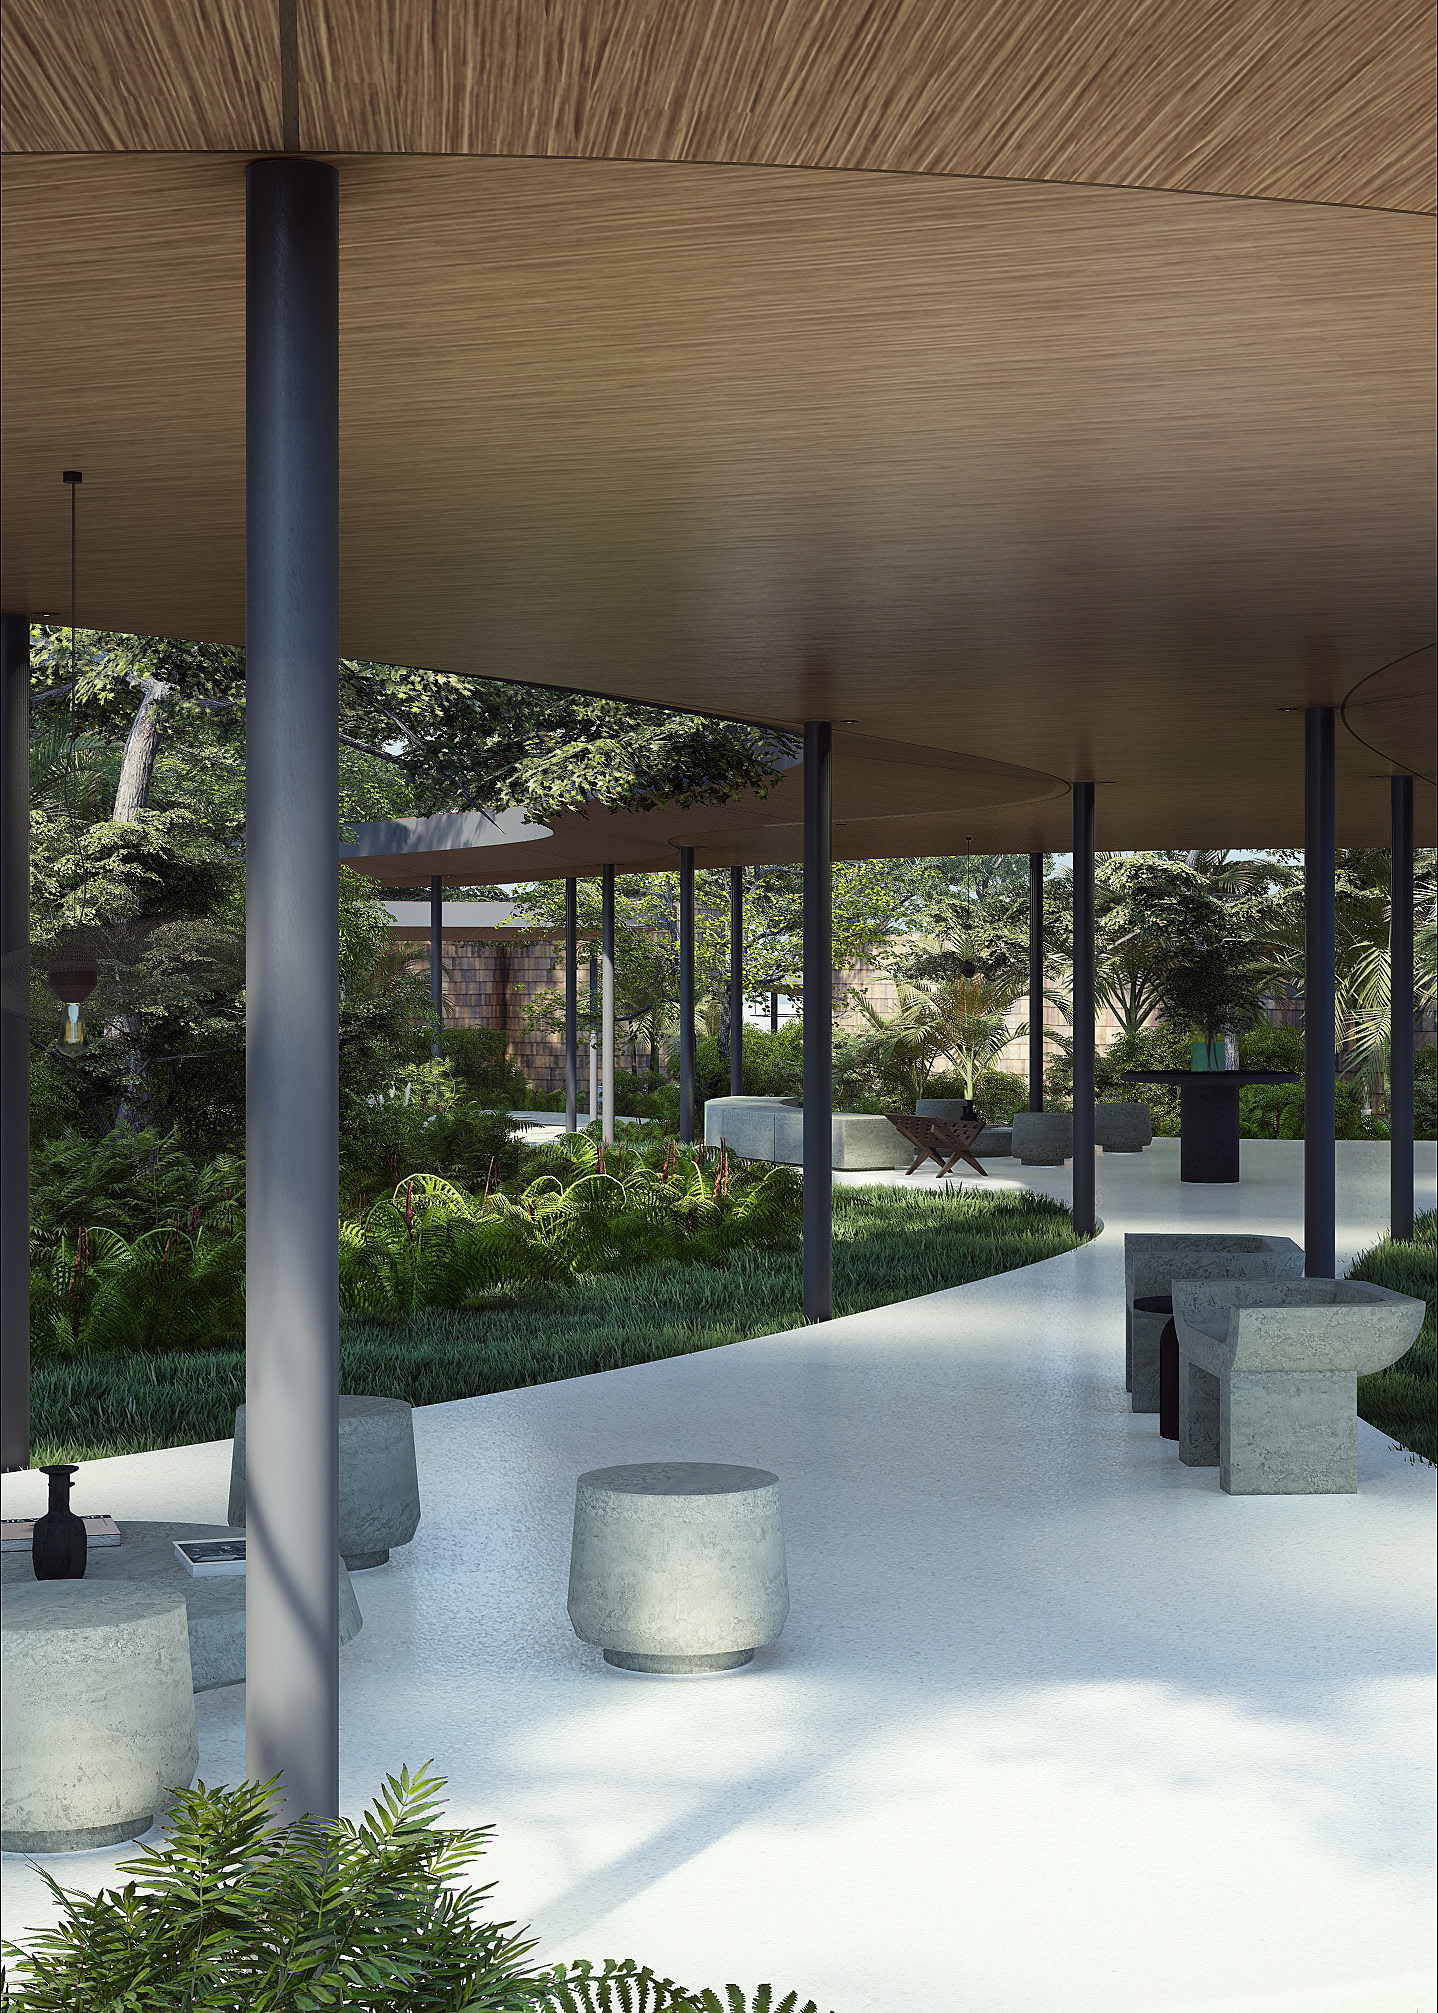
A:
1268	1377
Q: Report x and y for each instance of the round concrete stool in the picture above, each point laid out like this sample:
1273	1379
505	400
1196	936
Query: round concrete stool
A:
1043	1138
99	1718
678	1566
379	1483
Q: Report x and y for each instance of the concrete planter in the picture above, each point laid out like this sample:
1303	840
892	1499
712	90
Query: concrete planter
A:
1151	1262
99	1719
379	1483
1043	1138
678	1566
1268	1377
1123	1128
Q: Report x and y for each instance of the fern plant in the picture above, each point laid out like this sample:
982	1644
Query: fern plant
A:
236	1914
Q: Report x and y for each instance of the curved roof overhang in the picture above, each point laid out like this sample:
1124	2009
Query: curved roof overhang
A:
1045	387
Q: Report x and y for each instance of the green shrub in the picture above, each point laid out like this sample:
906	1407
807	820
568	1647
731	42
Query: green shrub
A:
1403	1401
423	1123
236	1911
128	1182
1275	1111
483	1067
55	1105
999	1093
170	1288
1266	1047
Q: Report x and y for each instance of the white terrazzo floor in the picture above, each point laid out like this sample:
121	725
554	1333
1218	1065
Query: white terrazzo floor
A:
1054	1723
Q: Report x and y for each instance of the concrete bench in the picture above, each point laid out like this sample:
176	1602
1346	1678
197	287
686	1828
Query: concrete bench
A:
379	1482
773	1129
1123	1128
1151	1262
99	1721
1268	1377
214	1607
678	1566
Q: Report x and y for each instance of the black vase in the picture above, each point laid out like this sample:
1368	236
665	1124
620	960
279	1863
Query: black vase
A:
58	1546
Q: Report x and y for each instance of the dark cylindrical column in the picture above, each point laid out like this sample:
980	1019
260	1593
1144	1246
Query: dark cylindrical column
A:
818	1020
736	981
686	992
606	963
436	963
292	980
1036	981
774	1012
1400	945
571	1005
15	1043
1319	967
1083	1206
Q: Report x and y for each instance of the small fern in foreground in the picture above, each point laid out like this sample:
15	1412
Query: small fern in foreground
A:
237	1915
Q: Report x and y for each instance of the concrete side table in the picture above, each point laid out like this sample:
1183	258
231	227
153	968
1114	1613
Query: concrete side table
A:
678	1566
379	1482
1043	1138
215	1608
1286	1356
99	1720
1152	1260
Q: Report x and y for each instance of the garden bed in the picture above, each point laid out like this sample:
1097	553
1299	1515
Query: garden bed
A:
1403	1401
889	1244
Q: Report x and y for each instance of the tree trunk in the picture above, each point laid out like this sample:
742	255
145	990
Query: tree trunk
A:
137	769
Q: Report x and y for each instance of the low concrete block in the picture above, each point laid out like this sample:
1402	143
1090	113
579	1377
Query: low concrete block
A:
99	1720
950	1109
1123	1128
379	1482
1286	1356
678	1566
773	1129
1043	1138
1151	1260
214	1608
995	1142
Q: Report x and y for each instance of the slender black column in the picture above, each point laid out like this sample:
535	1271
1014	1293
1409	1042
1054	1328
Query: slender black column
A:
571	1005
774	1012
1036	981
736	981
818	1021
436	963
15	1044
1319	963
686	992
1084	1217
1400	1052
606	966
292	980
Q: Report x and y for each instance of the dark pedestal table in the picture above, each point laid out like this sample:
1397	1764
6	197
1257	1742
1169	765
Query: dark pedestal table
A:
1208	1100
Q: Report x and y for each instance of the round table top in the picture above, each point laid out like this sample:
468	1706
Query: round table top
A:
1218	1078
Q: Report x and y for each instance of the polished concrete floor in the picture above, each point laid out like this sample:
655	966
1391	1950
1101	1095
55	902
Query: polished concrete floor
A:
1053	1724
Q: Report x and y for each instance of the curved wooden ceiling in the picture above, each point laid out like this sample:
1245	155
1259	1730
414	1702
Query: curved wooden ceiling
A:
1317	101
1090	481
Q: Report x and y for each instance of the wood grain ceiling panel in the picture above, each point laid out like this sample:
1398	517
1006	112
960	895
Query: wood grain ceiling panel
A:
1305	100
1091	482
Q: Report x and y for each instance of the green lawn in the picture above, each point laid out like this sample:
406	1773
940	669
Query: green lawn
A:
890	1244
1403	1401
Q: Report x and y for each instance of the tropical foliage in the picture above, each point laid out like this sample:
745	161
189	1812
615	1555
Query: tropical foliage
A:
236	1911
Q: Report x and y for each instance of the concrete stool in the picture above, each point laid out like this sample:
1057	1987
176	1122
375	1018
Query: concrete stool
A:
215	1607
677	1565
1043	1138
379	1483
1122	1128
1152	1259
99	1713
995	1142
1285	1357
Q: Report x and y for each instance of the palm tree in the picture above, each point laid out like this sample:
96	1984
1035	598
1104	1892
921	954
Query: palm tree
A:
963	1017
